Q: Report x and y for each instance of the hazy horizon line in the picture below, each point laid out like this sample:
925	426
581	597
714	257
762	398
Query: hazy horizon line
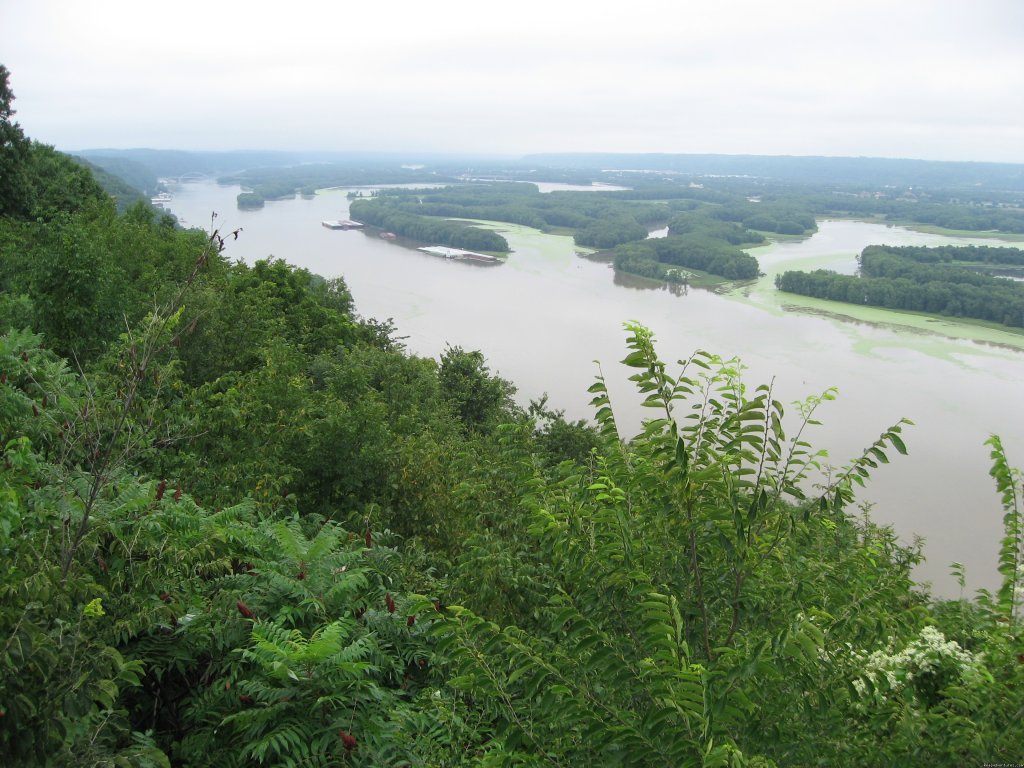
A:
524	155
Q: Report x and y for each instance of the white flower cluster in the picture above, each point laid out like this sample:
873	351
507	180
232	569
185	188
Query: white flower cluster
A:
929	655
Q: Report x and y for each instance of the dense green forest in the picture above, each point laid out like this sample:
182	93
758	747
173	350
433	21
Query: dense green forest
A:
945	280
425	229
241	526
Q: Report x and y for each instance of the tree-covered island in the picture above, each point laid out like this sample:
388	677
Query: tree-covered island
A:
699	239
969	282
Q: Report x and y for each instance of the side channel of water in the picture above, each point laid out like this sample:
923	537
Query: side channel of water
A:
544	318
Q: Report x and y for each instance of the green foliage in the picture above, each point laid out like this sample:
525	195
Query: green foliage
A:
75	574
59	184
679	584
480	400
152	615
91	273
328	649
1009	482
244	311
15	154
561	440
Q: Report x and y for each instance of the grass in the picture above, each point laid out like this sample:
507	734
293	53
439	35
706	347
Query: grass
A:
1012	237
878	315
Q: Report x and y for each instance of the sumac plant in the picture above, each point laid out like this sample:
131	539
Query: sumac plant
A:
687	579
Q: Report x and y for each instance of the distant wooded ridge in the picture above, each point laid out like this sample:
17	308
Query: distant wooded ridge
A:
862	171
875	171
175	162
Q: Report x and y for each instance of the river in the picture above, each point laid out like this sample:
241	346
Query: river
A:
545	316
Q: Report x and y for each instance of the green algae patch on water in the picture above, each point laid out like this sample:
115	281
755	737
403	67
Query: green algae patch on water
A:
531	249
836	247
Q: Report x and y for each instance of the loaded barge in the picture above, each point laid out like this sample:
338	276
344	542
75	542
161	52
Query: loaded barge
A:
342	224
457	253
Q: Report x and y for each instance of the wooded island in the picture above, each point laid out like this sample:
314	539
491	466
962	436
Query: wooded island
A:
944	280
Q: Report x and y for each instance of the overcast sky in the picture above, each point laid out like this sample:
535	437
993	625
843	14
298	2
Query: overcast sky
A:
933	79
